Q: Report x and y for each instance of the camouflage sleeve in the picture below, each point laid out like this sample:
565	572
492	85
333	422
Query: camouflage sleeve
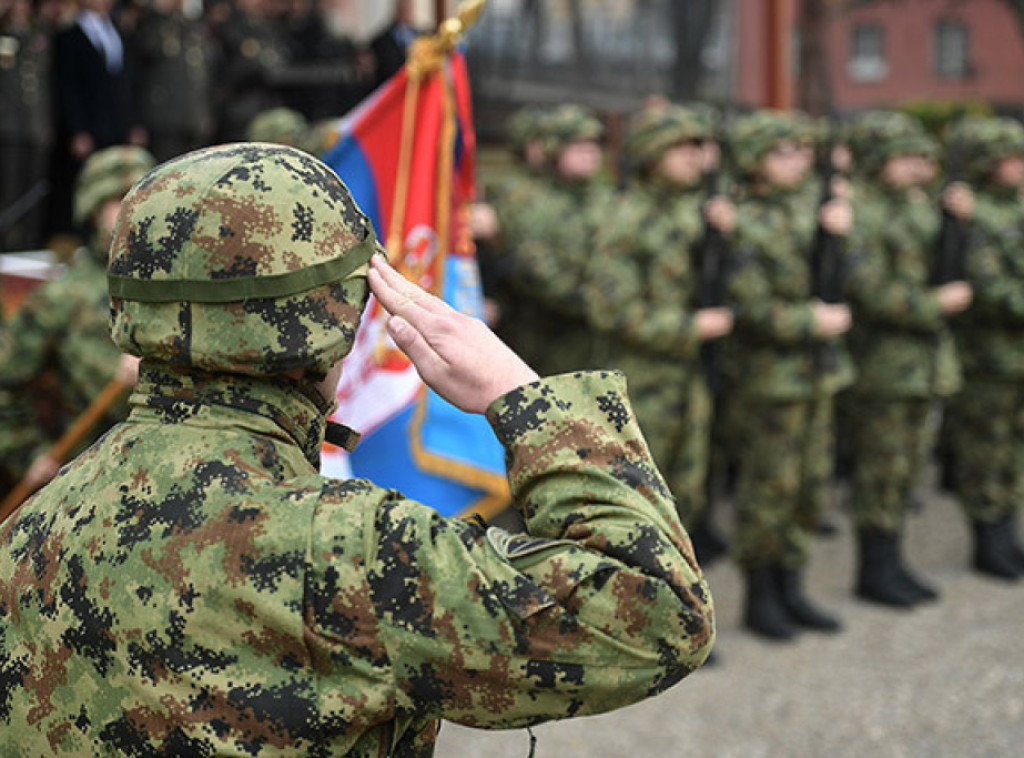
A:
879	297
998	292
759	310
641	307
600	605
31	334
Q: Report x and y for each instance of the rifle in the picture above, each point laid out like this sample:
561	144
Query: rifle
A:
711	260
949	260
828	265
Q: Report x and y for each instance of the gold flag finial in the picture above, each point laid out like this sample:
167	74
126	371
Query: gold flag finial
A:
427	53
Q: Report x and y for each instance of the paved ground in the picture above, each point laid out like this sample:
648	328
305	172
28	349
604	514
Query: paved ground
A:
941	680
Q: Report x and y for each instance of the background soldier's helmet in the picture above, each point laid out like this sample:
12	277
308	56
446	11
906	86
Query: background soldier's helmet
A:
982	143
108	174
247	258
879	135
567	124
523	126
753	135
655	130
282	126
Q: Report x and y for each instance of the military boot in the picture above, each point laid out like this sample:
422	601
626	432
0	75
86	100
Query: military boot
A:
799	608
1015	548
765	613
994	550
880	575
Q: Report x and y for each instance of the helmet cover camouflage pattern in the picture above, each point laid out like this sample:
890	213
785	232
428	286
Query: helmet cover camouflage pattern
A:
983	142
246	258
107	174
751	136
878	136
654	130
567	124
523	126
281	126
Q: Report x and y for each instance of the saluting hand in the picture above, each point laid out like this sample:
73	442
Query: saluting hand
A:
456	355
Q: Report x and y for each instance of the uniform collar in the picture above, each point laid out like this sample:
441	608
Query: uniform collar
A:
274	406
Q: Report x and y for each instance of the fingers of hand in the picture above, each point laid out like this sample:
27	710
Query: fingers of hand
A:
400	296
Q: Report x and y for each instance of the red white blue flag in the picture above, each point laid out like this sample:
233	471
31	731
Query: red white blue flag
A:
413	440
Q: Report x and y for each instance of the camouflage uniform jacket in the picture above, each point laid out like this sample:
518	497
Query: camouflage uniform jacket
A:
550	242
190	585
991	338
65	326
641	283
773	353
900	340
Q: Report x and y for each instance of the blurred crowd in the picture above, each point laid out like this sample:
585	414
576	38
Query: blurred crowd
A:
169	75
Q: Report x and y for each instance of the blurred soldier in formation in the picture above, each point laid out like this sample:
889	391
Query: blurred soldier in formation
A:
252	51
64	326
175	62
780	392
988	414
643	294
901	342
549	240
26	128
281	126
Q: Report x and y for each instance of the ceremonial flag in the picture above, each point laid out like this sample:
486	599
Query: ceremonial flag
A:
407	155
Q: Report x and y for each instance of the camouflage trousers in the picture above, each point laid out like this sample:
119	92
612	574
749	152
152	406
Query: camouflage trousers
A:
784	457
987	424
673	406
892	440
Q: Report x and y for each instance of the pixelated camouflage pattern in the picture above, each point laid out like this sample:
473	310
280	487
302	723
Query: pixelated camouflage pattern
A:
879	135
190	585
566	124
980	143
655	130
641	293
987	415
987	424
772	353
243	212
64	328
549	238
280	126
108	174
901	341
892	440
524	125
784	473
753	135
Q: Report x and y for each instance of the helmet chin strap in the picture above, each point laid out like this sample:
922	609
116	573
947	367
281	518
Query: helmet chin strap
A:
342	436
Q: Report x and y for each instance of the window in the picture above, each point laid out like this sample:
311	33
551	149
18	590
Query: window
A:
952	59
867	53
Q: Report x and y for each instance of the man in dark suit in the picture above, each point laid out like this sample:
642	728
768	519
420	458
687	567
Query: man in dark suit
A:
94	98
391	45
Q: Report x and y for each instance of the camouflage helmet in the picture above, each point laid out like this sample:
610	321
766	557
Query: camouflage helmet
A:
108	173
878	136
655	130
753	135
567	124
983	142
282	126
524	125
245	258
